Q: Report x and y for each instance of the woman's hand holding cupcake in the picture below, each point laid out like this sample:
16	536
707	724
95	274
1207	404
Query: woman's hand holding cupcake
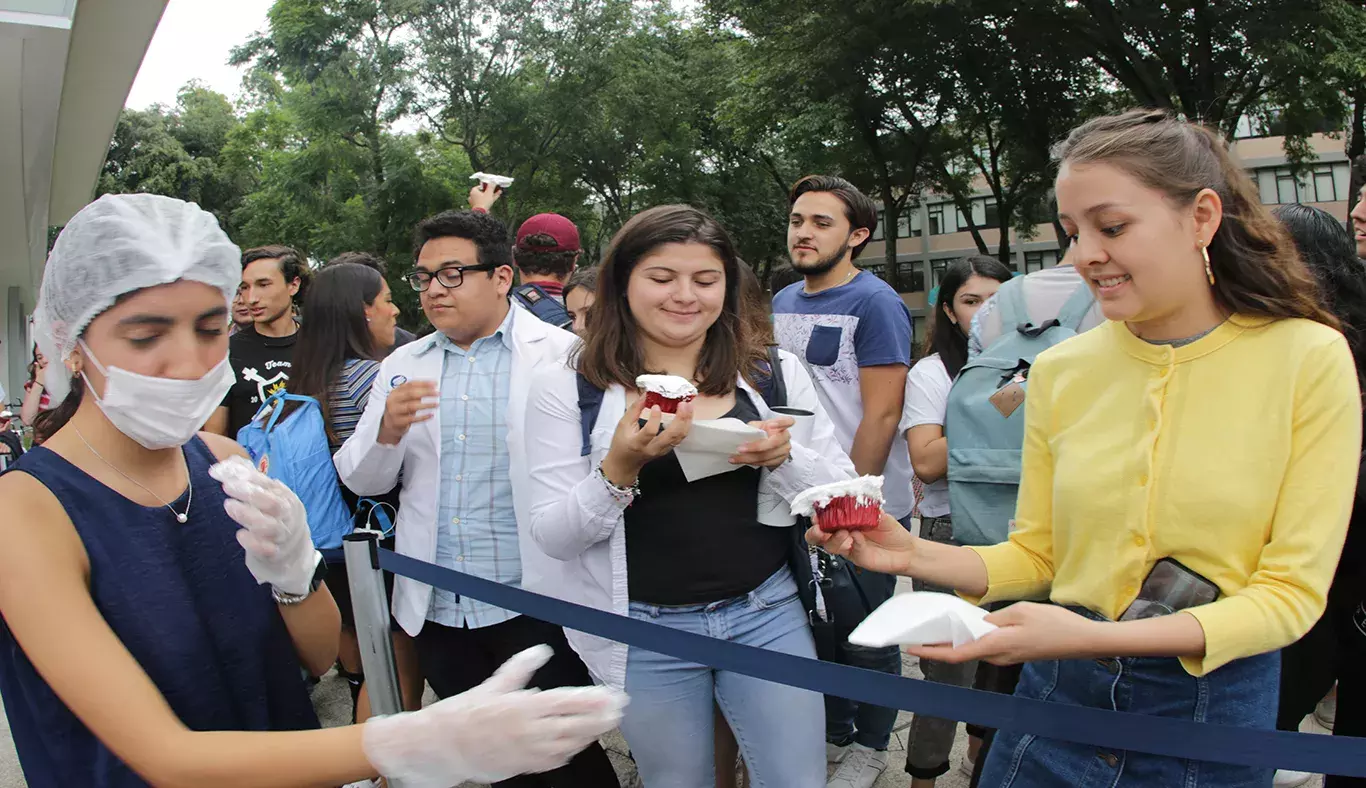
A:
887	548
634	445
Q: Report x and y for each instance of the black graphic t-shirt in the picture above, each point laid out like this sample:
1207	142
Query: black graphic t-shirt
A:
261	364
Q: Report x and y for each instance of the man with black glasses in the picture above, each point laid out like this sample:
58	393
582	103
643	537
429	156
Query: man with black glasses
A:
449	409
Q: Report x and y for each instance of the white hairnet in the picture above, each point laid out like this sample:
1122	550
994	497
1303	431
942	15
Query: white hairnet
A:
116	245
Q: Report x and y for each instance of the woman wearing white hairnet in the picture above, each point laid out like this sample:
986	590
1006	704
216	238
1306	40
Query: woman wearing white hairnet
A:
160	617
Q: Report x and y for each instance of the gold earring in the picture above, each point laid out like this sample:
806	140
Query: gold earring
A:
1209	272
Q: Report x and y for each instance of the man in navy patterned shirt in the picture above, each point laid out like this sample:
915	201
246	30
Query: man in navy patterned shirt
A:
854	333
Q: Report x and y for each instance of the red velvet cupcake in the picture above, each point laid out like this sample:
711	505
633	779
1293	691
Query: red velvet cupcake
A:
853	505
666	391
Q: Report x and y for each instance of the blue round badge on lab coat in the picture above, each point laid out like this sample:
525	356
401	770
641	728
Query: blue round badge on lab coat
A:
396	381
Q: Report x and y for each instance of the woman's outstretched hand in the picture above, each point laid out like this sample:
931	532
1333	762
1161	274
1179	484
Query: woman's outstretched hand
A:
1028	632
887	548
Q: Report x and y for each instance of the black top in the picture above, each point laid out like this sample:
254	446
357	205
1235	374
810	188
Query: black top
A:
1349	582
261	364
694	543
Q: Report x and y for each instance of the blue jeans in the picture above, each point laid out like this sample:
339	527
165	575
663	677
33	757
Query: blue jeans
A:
1243	693
847	721
669	722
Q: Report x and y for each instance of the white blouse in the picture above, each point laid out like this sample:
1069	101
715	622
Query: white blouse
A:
574	518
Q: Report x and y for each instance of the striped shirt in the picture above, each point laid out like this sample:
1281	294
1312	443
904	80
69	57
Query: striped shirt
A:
476	524
347	398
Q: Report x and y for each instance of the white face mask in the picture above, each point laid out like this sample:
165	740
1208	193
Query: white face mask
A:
159	413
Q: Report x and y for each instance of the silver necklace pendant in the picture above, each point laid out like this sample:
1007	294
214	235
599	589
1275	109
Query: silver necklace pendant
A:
180	517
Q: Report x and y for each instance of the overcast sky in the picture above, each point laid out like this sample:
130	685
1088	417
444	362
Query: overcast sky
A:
193	42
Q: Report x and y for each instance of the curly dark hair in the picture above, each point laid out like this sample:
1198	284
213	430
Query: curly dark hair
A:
292	265
489	235
538	263
1328	250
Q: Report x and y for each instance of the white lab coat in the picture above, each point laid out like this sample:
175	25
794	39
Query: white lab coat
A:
576	520
369	468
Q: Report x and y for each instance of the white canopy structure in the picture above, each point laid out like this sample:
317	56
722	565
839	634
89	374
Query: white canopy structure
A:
66	67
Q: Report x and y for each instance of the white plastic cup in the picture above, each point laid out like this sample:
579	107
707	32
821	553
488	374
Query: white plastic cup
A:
773	510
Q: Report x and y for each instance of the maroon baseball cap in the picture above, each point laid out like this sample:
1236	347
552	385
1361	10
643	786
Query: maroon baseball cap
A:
563	231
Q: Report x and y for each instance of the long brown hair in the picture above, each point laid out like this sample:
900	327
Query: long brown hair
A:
48	422
1257	270
612	354
335	332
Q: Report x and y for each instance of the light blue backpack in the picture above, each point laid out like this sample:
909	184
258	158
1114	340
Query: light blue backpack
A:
985	433
294	450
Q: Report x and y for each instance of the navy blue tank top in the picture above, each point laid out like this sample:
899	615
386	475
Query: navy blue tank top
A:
182	601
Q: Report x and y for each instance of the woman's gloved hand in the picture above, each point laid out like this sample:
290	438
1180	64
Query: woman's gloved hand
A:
495	731
274	526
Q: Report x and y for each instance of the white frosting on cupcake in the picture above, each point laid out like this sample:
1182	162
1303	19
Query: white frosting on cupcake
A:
670	386
867	489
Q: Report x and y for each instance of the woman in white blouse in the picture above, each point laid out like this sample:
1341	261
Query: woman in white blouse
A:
637	538
965	286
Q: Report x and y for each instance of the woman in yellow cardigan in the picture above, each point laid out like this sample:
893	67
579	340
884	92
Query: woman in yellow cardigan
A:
1201	447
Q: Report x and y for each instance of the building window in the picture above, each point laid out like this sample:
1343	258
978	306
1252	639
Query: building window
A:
1287	189
985	214
1033	262
937	269
877	269
878	235
991	213
1342	180
1321	183
937	219
911	276
1324	190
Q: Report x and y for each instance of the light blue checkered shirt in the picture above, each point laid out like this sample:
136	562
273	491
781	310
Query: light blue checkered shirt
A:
476	524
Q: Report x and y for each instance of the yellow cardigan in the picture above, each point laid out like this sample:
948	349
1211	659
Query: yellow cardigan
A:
1236	455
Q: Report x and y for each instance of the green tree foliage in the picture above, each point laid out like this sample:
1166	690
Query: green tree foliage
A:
361	117
180	152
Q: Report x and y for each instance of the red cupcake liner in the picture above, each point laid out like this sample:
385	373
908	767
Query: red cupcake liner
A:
847	514
666	404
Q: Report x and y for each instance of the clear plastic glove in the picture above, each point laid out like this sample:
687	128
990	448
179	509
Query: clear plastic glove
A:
274	526
495	731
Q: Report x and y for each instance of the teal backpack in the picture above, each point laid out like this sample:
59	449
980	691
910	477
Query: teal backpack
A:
293	448
984	421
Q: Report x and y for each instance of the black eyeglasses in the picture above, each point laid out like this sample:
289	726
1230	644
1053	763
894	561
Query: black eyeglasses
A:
450	277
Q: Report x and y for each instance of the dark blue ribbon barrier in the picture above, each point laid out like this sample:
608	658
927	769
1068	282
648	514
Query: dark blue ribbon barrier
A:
1111	730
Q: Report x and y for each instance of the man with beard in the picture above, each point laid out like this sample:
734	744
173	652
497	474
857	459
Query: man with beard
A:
854	333
273	279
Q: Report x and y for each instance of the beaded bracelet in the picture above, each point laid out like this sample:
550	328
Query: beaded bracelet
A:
624	495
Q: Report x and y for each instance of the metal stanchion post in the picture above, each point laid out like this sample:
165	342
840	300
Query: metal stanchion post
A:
371	607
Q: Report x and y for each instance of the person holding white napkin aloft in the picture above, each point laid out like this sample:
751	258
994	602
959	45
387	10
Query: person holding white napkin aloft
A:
638	538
